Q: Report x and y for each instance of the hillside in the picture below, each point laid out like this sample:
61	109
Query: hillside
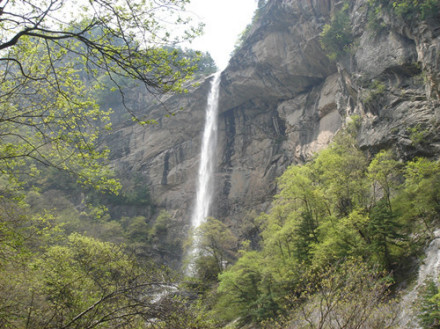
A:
282	99
325	203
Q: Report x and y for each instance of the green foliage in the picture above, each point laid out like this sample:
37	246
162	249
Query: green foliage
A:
409	10
136	229
216	240
54	61
48	118
166	236
341	170
79	274
51	70
242	37
337	37
347	295
429	305
338	207
50	280
205	63
406	8
417	135
429	9
129	217
245	33
413	9
383	232
384	173
133	192
242	291
161	225
216	250
374	95
420	197
374	16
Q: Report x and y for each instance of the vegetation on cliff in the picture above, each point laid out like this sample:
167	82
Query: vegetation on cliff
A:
343	217
337	36
409	9
342	230
57	192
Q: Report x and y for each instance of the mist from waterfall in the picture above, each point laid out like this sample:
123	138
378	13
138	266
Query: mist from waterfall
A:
205	182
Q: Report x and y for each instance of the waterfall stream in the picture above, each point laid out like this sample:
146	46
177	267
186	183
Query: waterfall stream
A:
429	269
205	189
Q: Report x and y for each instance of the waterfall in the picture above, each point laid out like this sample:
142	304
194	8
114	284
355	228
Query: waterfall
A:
429	269
206	167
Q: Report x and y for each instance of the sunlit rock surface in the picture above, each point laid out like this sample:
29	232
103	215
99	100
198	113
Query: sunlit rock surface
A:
282	100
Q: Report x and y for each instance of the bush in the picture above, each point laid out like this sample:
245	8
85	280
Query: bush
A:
347	295
429	308
408	9
373	99
429	8
336	37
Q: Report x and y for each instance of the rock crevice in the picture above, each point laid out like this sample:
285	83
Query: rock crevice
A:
282	99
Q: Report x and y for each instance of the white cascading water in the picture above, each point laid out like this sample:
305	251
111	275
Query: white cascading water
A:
429	269
206	167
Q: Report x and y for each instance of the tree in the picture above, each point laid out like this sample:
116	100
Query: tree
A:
166	237
303	207
205	63
337	37
429	305
122	38
383	232
348	295
86	283
421	194
383	172
216	246
52	56
409	10
240	289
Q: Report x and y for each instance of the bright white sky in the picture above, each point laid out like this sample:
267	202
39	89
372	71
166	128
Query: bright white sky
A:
224	21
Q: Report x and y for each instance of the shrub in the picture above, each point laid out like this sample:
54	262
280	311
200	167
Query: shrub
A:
374	96
429	8
336	37
429	310
408	9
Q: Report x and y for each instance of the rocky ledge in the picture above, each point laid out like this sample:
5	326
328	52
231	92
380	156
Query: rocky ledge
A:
282	99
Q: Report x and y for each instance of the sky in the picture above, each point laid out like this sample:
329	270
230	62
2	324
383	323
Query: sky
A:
224	21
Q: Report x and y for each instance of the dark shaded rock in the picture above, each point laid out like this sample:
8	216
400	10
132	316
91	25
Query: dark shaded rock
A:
282	100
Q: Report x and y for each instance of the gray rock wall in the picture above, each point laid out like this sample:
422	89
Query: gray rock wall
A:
282	100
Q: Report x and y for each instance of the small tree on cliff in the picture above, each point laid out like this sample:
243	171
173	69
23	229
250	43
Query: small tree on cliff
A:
337	37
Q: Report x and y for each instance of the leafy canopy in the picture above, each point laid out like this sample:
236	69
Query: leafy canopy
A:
53	55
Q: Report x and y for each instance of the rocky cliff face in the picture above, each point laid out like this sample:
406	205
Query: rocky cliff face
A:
165	154
282	99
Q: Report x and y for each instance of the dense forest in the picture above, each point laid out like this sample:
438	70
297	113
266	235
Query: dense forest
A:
85	246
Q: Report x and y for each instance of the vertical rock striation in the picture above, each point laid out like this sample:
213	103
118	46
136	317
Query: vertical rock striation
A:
282	99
